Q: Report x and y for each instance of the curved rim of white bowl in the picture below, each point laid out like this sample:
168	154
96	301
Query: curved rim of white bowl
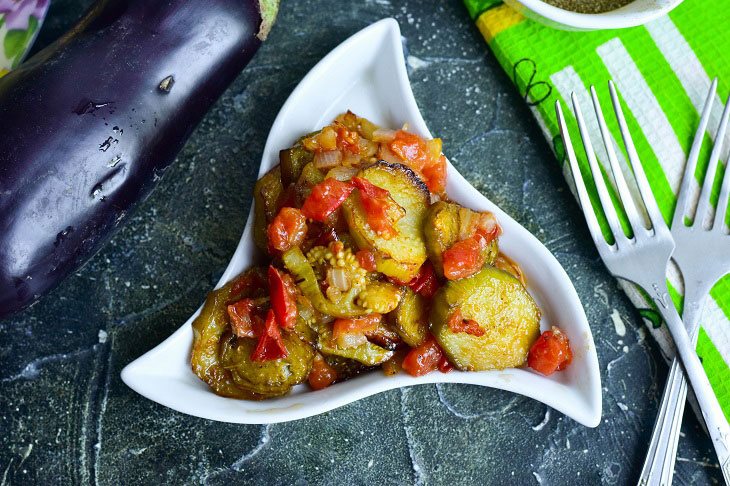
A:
620	18
164	374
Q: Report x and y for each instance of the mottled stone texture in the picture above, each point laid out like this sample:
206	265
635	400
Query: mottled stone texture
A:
66	417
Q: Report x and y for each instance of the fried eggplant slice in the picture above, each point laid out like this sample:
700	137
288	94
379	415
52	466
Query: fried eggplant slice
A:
266	194
410	318
442	227
264	379
399	257
501	307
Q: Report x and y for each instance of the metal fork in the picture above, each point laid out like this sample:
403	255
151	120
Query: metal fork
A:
700	271
642	259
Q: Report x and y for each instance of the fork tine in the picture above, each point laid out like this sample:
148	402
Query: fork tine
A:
603	195
580	186
722	201
623	189
704	202
657	221
689	169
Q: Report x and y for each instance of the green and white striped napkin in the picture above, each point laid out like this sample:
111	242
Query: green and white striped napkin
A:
663	72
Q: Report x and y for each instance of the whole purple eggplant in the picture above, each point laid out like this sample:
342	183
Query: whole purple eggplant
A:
88	125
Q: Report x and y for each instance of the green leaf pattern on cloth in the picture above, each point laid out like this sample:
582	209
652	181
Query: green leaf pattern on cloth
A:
663	71
19	25
16	42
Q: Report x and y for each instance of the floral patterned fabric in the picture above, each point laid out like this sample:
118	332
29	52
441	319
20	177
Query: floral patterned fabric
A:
20	21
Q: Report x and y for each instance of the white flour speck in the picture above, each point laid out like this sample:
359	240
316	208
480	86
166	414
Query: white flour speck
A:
618	323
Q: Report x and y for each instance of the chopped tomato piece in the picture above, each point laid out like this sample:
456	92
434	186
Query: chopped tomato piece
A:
435	175
347	140
366	259
423	359
411	148
445	365
359	325
464	258
550	353
382	211
322	375
425	282
239	314
283	298
457	323
325	198
246	283
270	345
287	230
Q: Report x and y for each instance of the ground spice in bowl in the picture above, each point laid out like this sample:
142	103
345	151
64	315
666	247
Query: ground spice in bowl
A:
589	6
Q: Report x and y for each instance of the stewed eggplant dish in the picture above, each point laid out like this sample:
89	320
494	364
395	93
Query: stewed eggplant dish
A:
369	265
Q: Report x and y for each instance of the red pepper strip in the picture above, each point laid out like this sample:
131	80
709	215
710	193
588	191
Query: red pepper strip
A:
240	317
376	202
270	345
325	198
426	282
457	323
283	302
423	359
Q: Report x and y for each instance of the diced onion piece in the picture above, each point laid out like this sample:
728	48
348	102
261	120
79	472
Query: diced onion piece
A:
488	223
351	340
466	223
367	147
433	149
367	128
384	153
327	160
327	139
337	277
343	174
383	135
351	160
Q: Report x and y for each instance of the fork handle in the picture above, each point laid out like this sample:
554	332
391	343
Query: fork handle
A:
660	457
662	452
717	425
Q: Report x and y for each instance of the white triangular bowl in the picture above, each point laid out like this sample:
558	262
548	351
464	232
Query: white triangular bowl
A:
367	75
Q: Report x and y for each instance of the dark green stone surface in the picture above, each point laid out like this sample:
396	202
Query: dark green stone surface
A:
67	418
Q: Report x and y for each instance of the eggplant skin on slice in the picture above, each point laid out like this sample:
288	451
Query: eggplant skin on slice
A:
410	318
401	256
89	124
504	310
443	224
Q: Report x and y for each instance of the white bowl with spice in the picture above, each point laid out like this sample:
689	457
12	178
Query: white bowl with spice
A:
593	14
